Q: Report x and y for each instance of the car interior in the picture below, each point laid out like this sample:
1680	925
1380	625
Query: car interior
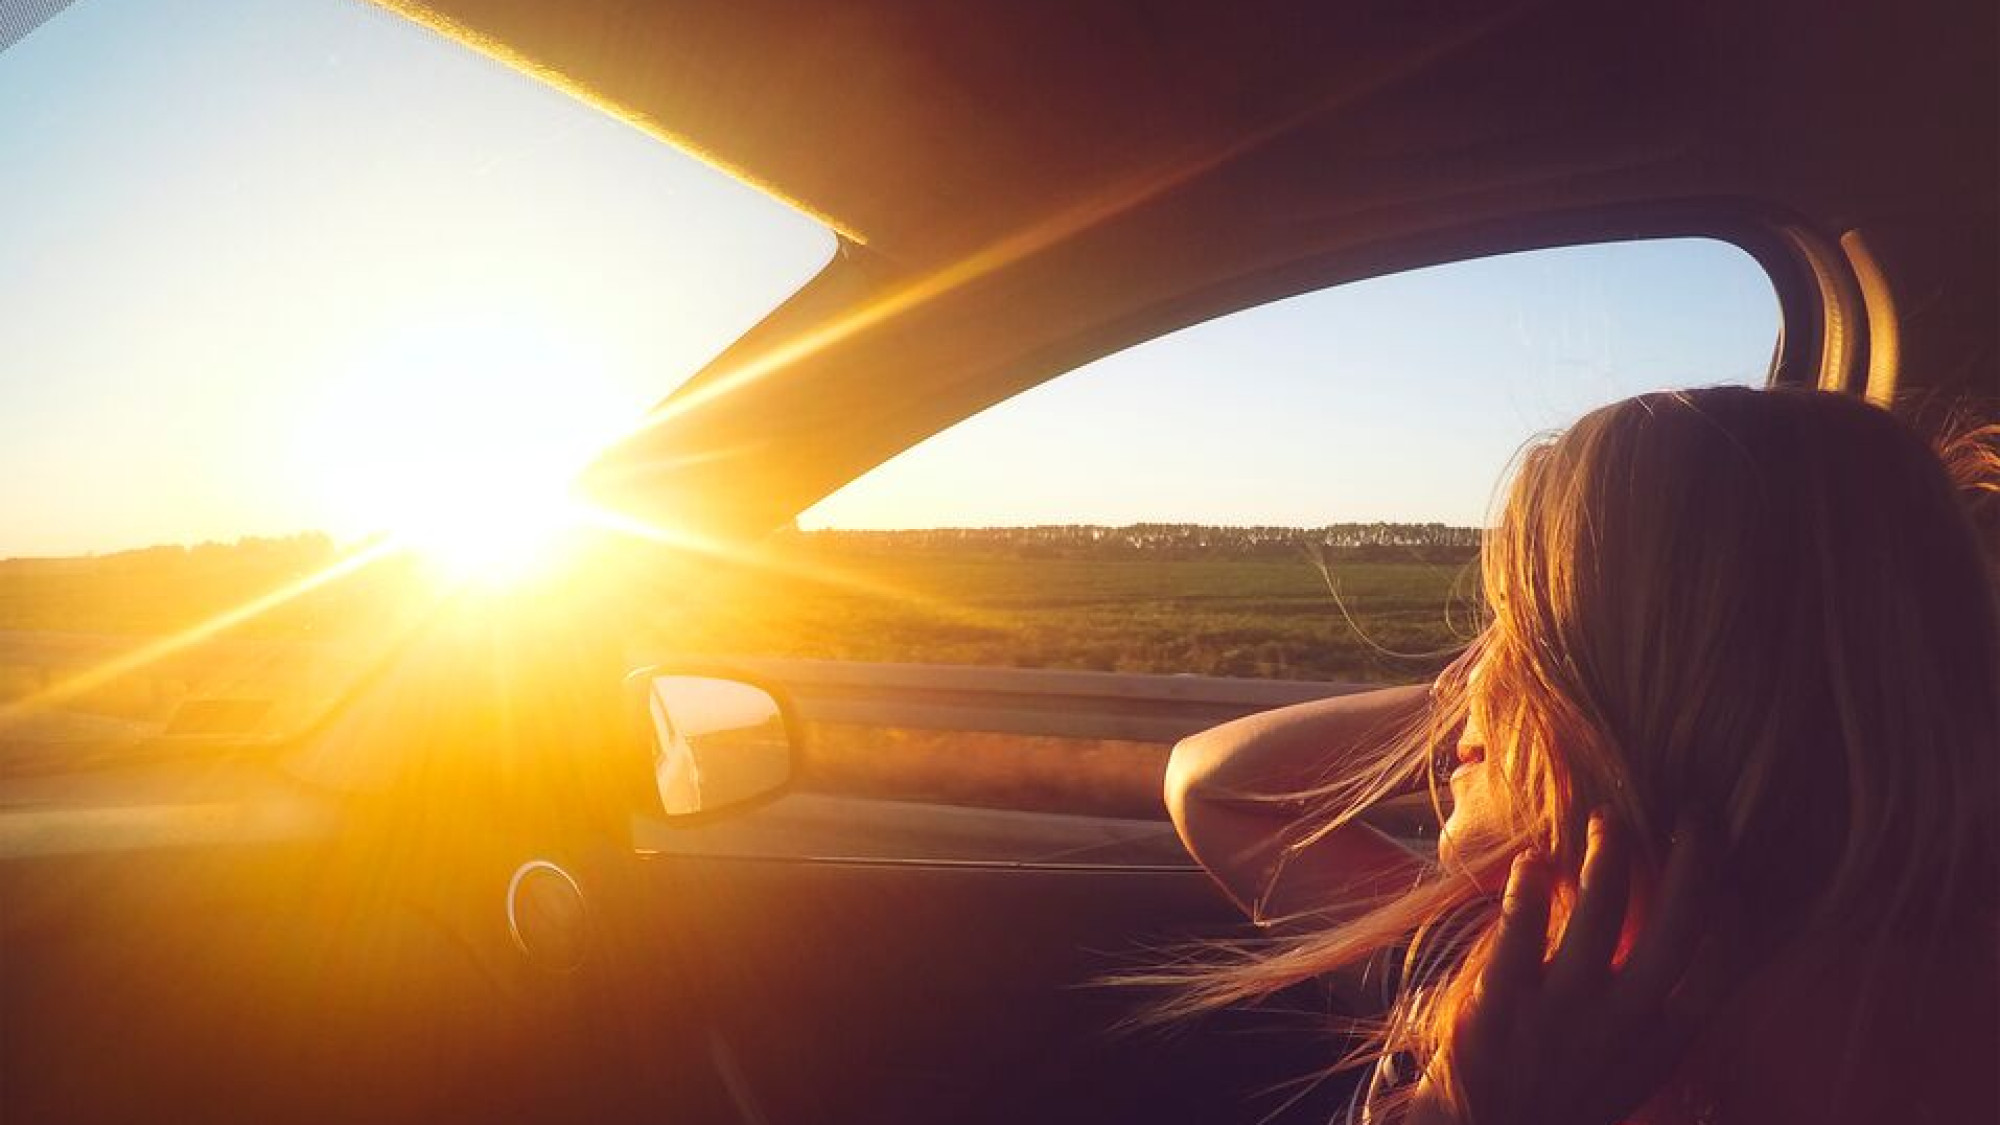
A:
472	889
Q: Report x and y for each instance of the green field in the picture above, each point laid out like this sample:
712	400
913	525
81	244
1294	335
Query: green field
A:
1226	602
1235	616
1216	612
1220	603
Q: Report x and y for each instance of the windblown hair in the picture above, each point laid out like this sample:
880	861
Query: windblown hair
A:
1767	609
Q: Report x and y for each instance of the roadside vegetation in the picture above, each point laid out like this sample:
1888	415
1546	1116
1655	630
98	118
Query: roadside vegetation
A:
1213	601
1151	598
1362	602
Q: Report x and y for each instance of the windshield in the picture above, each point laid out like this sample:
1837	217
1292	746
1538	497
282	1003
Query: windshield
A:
287	285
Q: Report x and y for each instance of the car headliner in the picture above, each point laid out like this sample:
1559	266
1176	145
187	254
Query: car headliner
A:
1022	187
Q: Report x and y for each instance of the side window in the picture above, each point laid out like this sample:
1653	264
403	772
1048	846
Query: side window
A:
1293	492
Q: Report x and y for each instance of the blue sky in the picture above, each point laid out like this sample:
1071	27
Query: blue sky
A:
266	263
1402	398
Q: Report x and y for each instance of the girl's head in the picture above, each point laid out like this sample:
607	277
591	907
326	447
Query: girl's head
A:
1764	610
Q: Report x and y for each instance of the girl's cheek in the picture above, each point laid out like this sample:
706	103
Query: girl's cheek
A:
1473	816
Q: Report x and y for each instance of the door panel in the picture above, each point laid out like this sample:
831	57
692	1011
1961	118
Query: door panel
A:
887	991
360	972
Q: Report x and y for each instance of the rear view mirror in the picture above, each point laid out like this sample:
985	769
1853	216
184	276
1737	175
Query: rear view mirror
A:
716	742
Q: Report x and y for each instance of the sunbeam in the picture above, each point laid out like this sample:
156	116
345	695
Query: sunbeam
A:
764	561
149	654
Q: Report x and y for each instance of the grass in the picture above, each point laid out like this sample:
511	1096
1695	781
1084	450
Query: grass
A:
1264	617
1262	611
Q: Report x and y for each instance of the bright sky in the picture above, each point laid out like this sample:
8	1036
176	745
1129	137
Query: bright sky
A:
273	265
1402	398
269	265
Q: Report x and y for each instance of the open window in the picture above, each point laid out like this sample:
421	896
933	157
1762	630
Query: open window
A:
1276	504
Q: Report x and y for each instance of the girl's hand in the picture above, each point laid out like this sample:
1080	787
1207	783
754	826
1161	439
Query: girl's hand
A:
1574	1040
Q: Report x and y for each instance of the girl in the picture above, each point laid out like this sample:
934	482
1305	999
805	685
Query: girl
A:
1721	844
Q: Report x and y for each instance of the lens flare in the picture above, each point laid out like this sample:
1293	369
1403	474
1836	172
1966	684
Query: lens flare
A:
459	439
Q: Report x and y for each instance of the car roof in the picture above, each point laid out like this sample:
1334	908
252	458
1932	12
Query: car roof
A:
1021	187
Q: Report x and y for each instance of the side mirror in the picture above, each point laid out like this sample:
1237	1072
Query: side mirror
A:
717	742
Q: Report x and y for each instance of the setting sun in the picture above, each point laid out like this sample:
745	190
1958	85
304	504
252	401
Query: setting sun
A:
491	537
460	439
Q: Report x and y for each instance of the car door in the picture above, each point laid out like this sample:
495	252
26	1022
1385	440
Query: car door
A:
992	641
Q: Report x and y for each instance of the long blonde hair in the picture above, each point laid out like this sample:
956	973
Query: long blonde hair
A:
1767	608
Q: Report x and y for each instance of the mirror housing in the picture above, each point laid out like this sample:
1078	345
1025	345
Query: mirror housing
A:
718	740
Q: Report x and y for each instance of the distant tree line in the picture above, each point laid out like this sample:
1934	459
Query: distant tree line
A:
282	554
1168	540
1428	542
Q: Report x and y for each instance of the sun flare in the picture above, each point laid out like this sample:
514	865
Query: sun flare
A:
494	537
461	441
